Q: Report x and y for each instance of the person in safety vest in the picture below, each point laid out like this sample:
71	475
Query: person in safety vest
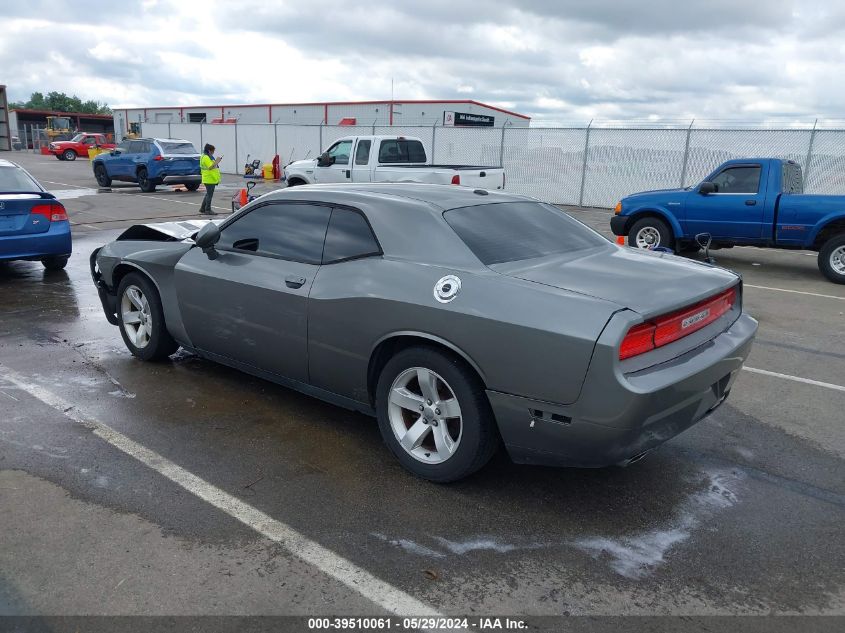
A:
210	170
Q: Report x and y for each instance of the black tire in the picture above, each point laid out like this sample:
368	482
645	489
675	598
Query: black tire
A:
833	249
147	184
295	182
56	262
478	439
101	175
69	154
160	344
60	156
666	237
192	186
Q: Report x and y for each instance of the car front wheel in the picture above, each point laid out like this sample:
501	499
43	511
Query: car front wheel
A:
648	233
69	154
832	259
141	319
434	415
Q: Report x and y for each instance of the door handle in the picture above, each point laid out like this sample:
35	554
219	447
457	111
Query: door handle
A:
348	173
750	203
292	281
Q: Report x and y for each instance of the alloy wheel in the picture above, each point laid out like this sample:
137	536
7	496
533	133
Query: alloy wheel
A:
137	316
425	415
647	237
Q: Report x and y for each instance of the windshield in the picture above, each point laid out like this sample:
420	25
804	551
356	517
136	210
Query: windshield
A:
178	148
513	231
78	138
13	179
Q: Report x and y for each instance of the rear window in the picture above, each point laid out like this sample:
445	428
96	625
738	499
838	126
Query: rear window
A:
401	151
178	148
513	231
13	179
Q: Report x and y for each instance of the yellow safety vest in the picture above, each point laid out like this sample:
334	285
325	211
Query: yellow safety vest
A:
210	172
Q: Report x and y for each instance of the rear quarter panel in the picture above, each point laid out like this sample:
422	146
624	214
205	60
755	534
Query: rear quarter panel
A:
802	216
521	339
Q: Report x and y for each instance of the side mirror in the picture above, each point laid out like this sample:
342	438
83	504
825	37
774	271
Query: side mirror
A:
207	237
706	187
325	160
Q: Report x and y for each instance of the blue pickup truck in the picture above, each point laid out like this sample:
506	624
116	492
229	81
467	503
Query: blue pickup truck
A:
747	202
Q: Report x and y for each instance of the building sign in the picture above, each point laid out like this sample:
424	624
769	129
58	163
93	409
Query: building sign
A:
465	118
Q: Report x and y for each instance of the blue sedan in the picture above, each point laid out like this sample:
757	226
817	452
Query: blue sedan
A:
33	224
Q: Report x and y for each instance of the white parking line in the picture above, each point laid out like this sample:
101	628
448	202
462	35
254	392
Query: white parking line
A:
386	596
806	381
65	184
797	292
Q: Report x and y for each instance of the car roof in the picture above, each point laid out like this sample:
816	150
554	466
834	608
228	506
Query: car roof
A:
436	197
8	163
407	218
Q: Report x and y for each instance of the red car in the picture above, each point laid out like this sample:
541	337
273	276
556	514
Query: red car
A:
79	146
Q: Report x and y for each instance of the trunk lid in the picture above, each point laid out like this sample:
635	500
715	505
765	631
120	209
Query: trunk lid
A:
16	216
648	283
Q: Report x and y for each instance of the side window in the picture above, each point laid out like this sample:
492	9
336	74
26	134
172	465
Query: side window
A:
89	140
791	179
136	147
738	180
348	236
401	151
290	231
362	153
340	152
124	146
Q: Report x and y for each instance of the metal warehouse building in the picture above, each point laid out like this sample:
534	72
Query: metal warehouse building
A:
448	113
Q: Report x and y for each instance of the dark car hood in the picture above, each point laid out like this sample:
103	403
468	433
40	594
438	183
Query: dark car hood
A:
648	283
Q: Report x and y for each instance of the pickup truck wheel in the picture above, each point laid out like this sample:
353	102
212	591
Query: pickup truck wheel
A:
295	182
649	233
60	156
141	319
832	259
69	154
102	176
145	182
434	416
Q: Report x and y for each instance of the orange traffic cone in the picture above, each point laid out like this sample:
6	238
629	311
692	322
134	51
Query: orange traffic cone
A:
620	240
243	198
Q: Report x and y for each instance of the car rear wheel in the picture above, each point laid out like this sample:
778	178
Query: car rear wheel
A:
832	259
69	154
649	233
192	186
102	176
141	319
55	262
147	184
434	415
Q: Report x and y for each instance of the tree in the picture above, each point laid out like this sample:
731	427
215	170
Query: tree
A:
60	102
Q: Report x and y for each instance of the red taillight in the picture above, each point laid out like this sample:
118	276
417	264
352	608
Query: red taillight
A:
676	325
159	157
53	212
638	340
456	179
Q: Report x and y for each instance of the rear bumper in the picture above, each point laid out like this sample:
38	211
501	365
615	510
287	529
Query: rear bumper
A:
617	420
617	224
55	241
190	178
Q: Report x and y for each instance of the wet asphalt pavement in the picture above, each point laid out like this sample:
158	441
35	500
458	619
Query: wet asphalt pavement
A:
742	514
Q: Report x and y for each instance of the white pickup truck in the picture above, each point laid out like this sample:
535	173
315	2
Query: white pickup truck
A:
387	159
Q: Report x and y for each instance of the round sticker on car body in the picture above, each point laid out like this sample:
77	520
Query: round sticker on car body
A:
447	288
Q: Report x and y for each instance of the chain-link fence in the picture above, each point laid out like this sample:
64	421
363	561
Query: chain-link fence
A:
587	166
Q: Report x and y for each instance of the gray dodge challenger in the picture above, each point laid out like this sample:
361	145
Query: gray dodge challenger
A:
461	319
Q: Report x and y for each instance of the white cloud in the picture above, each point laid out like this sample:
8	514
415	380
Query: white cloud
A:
554	59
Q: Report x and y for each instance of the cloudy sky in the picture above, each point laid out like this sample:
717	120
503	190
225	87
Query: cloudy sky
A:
560	60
